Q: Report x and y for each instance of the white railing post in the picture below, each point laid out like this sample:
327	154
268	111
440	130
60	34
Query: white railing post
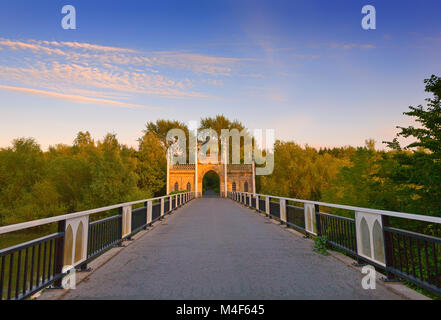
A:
249	200
257	202
310	218
283	211
149	212
267	206
370	241
75	251
126	221
162	207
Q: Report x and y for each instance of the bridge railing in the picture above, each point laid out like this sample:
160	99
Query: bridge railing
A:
29	267
367	234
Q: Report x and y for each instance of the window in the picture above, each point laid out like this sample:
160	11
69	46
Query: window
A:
176	186
245	186
234	186
188	186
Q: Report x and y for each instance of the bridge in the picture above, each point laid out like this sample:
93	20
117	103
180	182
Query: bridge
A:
243	246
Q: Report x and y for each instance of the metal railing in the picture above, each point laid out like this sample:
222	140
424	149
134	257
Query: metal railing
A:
368	236
29	267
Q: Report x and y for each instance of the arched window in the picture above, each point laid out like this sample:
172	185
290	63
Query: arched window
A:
245	186
176	186
234	186
188	186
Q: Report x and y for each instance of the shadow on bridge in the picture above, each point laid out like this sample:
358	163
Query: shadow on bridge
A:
210	194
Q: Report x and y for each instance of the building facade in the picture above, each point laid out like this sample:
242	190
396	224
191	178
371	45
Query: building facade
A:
236	177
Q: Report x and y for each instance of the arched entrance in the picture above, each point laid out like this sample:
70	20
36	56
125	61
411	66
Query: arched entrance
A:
190	177
211	183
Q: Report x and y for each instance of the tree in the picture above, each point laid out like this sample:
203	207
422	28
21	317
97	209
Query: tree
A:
428	136
418	171
299	172
219	123
152	164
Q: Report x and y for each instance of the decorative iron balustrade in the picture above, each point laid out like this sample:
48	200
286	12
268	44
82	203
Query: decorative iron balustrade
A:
29	267
368	236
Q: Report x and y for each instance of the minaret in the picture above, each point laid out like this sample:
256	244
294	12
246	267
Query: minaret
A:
254	174
225	168
168	171
196	165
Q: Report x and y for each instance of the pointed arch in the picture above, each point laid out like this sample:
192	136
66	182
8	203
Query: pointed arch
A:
79	243
68	246
365	238
377	237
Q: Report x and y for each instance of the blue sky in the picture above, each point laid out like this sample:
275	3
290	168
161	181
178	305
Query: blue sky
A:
305	68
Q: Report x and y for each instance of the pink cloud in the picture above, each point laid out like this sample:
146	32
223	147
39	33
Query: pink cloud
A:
76	98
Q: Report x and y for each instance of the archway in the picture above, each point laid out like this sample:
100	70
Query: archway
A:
211	183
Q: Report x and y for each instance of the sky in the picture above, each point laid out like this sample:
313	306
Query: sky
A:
304	68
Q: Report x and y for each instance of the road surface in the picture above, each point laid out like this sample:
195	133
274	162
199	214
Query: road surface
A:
214	248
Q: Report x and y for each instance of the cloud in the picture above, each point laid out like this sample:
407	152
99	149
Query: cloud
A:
349	46
306	56
47	46
198	63
76	98
76	51
106	71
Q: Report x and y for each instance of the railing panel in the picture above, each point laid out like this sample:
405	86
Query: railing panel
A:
28	267
139	218
104	234
253	202
275	209
262	205
340	232
166	206
156	211
295	217
415	257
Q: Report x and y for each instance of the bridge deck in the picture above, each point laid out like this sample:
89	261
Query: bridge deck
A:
215	249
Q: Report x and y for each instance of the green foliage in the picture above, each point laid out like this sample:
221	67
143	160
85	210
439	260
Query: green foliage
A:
220	122
320	245
88	174
152	164
301	173
418	171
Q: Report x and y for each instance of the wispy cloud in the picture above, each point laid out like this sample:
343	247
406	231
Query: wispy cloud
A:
99	72
349	46
306	56
76	98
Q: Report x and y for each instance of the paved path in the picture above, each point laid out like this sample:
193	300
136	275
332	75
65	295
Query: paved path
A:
213	248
